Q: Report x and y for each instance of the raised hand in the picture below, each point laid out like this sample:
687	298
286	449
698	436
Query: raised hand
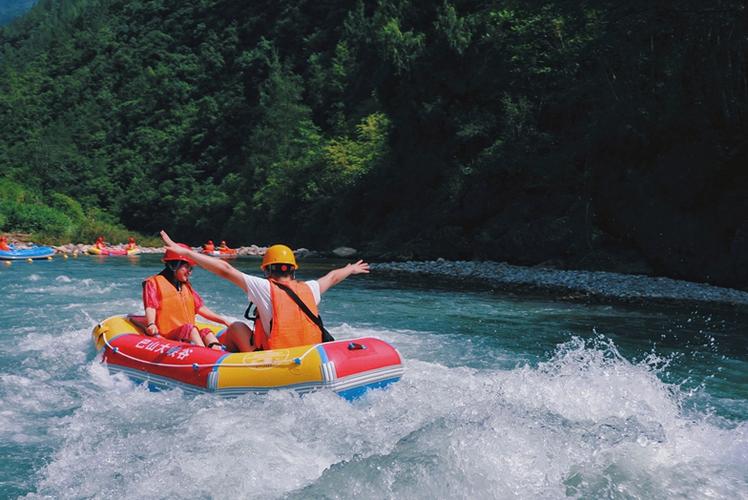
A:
170	245
359	267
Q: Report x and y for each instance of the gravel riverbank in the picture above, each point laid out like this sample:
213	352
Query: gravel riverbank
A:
574	284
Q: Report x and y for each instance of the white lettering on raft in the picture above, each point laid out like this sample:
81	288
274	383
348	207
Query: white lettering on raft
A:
142	343
161	348
184	353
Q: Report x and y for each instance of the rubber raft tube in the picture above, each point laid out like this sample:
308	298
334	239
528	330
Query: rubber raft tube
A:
27	253
113	252
348	367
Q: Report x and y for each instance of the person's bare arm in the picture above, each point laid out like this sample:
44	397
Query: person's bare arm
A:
335	276
150	321
218	267
211	316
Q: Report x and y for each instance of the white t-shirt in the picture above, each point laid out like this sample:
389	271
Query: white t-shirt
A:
258	292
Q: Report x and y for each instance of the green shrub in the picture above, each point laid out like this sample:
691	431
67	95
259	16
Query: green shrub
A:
38	218
99	223
58	218
5	209
11	191
68	206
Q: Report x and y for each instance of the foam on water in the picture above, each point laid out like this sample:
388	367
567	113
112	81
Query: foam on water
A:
75	288
585	423
429	346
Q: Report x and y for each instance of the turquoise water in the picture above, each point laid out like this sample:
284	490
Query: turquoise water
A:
503	397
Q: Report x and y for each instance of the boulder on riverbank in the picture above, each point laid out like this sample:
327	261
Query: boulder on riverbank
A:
344	252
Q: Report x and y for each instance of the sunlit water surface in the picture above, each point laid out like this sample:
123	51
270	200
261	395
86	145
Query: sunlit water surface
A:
503	397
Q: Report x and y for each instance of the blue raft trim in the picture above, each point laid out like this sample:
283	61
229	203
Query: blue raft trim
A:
322	353
357	392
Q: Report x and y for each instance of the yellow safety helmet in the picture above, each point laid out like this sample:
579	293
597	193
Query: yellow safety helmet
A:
278	254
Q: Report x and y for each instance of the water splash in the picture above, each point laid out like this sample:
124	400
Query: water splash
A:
585	423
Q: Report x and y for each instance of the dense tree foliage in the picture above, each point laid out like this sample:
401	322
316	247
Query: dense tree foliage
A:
582	132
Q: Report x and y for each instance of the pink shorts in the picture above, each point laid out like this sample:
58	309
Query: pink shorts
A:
182	333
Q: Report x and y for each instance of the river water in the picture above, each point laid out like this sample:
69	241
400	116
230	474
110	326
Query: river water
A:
503	397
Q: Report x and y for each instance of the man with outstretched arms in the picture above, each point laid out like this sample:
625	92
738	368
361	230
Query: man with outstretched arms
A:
286	308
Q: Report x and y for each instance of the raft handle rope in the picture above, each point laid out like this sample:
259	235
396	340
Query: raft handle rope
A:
197	366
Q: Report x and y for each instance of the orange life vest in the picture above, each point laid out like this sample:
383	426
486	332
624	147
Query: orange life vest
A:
289	326
208	248
4	246
177	306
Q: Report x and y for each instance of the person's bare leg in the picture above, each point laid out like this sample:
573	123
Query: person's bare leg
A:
236	338
195	338
211	338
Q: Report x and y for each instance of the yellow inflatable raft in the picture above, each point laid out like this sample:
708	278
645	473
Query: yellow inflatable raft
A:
348	367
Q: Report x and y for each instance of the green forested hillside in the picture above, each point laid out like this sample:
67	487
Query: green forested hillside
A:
580	132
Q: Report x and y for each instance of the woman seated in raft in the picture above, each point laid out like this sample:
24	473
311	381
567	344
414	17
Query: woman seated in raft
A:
131	245
4	244
209	247
171	304
99	243
224	249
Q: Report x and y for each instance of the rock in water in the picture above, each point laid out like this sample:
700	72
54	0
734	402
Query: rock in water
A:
345	251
